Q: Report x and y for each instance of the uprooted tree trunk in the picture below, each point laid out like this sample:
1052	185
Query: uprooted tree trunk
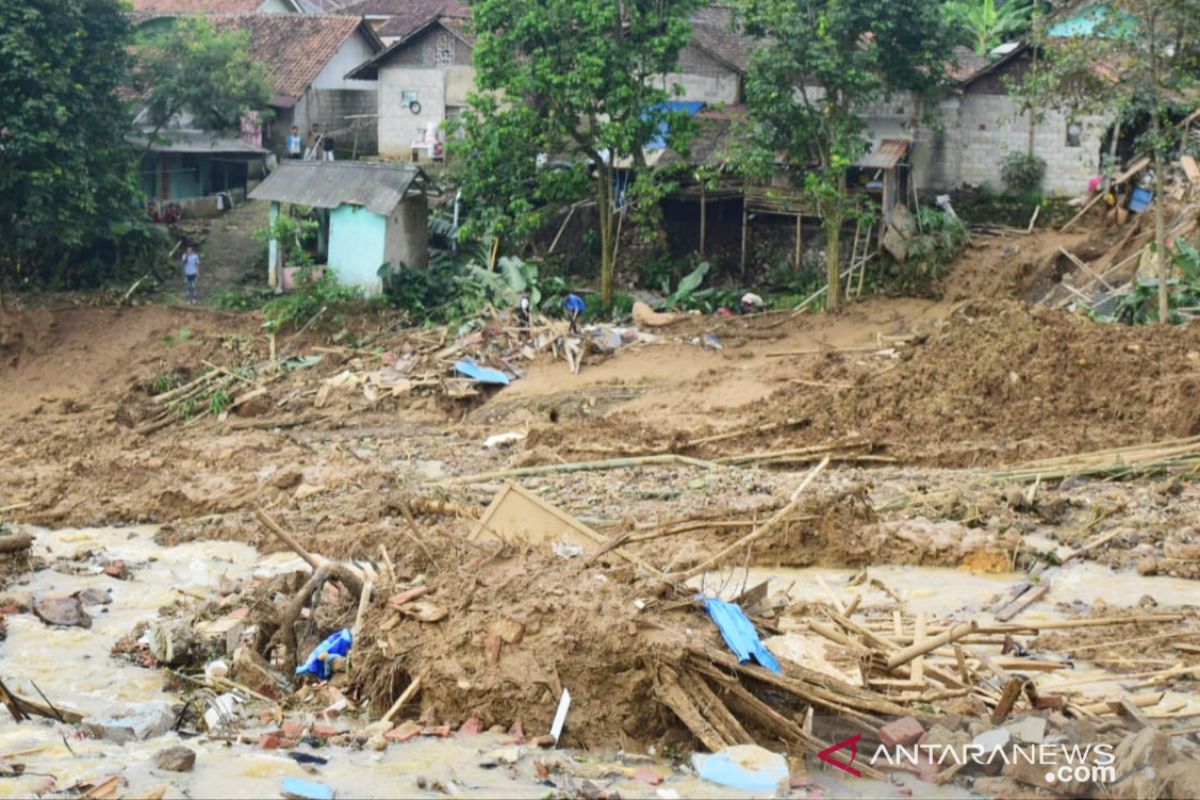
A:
286	635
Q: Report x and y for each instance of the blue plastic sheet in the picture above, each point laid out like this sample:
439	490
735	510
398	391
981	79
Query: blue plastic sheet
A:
481	374
739	633
746	767
307	790
319	659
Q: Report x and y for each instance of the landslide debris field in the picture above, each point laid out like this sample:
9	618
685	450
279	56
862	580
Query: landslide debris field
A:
857	484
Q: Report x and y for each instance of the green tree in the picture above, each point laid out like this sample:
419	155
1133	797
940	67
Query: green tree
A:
579	93
821	63
66	175
1132	58
196	68
983	25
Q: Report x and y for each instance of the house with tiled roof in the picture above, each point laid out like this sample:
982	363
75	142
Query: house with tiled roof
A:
307	57
395	19
426	75
144	9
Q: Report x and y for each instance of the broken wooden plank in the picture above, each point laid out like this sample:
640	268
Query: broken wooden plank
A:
1008	698
1024	601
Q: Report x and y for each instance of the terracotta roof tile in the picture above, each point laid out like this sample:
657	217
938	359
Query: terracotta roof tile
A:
412	14
294	47
966	64
149	8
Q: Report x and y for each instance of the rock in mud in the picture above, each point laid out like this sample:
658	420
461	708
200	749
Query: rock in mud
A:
144	721
64	611
95	597
175	759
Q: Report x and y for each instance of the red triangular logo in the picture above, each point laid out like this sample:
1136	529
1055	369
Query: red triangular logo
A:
846	766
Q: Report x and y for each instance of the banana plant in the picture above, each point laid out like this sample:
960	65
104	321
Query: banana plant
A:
986	25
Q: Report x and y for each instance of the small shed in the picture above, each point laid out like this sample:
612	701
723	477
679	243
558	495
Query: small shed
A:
187	166
370	215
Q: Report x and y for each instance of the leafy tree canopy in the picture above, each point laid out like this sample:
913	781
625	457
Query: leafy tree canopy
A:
66	178
823	62
201	70
570	90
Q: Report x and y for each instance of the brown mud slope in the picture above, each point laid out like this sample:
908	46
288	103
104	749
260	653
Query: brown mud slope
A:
1000	382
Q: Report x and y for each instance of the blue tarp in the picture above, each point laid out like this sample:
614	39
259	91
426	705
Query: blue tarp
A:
319	661
739	633
746	767
481	374
689	107
308	790
1095	23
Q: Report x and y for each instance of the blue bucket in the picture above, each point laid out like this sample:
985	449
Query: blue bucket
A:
1141	200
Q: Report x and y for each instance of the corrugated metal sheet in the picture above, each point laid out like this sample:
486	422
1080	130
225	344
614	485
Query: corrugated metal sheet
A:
884	155
377	187
196	142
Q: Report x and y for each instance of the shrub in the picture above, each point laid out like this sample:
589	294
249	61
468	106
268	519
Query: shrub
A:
311	298
1022	173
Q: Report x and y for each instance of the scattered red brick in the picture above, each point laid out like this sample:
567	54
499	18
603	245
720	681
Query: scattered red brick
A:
472	727
270	741
117	569
436	730
398	600
240	613
324	731
403	732
900	732
648	775
293	730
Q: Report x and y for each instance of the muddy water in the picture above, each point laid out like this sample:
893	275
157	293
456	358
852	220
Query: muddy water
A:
74	669
945	593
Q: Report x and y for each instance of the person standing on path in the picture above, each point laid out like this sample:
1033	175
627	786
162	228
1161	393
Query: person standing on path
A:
191	275
329	145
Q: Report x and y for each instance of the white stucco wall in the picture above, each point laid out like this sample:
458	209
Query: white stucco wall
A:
353	52
398	126
703	88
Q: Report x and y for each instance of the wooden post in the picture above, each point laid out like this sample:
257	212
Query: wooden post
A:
799	239
703	218
745	225
273	250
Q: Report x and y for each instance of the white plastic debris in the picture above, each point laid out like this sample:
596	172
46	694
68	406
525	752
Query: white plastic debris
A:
503	440
216	669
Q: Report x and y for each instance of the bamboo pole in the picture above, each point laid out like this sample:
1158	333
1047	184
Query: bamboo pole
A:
582	466
770	525
274	527
405	696
932	643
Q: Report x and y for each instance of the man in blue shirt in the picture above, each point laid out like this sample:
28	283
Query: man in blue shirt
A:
191	274
574	306
295	144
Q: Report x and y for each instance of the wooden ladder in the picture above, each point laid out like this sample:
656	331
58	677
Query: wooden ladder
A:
860	254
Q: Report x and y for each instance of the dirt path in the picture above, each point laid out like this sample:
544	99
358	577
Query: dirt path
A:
232	256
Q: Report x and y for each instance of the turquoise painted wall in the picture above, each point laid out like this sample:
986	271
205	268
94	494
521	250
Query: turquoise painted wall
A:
357	239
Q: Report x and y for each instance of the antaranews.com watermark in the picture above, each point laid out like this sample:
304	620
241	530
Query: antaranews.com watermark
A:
1062	762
